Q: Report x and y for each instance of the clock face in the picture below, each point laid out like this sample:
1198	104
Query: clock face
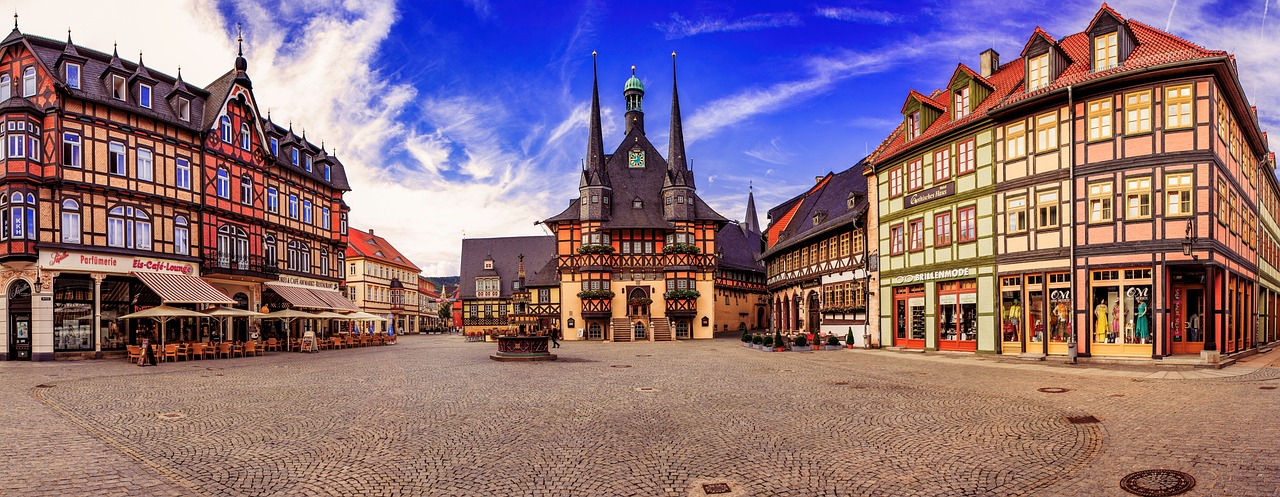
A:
636	158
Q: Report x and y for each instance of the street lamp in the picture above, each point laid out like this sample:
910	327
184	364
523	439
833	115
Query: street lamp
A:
1189	242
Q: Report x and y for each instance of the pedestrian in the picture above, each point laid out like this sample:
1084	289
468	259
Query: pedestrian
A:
555	338
148	355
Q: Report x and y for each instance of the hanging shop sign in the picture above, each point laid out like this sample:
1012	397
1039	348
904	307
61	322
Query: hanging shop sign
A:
925	196
935	275
63	260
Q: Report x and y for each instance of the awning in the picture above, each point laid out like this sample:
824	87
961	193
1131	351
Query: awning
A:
334	300
182	289
298	296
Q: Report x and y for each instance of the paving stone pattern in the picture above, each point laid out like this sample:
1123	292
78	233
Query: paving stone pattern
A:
434	416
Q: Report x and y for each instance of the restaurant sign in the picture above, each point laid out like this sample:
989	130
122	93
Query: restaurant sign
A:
307	282
934	275
64	260
935	193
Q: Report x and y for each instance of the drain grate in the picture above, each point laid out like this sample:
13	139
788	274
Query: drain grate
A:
1054	390
1082	420
715	488
646	389
644	355
1266	388
44	385
620	366
841	383
1157	483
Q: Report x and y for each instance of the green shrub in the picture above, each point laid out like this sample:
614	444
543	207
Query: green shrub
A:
832	340
746	337
756	340
681	294
801	341
595	294
848	339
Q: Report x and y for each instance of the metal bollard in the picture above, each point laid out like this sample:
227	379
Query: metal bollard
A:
1072	353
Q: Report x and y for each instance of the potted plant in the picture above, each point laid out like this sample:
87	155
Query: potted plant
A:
848	339
746	339
756	341
800	343
640	301
766	344
833	343
777	341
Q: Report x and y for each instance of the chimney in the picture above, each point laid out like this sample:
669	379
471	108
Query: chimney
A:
370	232
990	62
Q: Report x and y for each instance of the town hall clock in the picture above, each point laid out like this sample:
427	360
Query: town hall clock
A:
636	158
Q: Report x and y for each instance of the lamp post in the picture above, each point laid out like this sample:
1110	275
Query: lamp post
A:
1188	243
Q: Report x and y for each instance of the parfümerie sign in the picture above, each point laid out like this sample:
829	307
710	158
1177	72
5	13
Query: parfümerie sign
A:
935	193
934	275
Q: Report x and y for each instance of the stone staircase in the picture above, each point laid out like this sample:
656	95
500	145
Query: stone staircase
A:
661	329
620	329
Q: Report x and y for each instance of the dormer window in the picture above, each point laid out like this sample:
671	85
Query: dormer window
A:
29	82
117	87
913	125
488	264
309	163
1038	72
852	199
275	146
637	204
184	109
144	95
72	72
818	217
328	173
962	102
294	156
1105	53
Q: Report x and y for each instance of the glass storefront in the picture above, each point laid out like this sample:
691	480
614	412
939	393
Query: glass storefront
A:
957	315
1120	316
1059	314
72	313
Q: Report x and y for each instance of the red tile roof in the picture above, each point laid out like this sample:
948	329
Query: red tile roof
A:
923	100
775	229
1038	33
362	244
1154	47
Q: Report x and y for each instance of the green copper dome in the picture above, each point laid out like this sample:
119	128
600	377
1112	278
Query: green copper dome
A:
633	83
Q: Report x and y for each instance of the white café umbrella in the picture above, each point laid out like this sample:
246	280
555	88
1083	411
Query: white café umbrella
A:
222	313
364	316
162	314
288	315
329	316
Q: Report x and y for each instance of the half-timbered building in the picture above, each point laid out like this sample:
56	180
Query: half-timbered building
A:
382	281
126	188
496	290
741	301
1268	252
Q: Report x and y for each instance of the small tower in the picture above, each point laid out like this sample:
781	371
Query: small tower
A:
751	224
633	92
677	187
594	190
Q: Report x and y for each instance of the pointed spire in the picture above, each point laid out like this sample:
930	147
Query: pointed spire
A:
115	50
68	35
676	161
241	64
15	20
752	223
595	137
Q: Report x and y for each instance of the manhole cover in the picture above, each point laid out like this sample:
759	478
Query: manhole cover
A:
1157	482
646	389
172	415
44	385
1081	420
715	488
1054	390
1260	388
620	366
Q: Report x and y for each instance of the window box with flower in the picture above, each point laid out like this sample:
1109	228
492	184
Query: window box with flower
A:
595	249
596	295
681	248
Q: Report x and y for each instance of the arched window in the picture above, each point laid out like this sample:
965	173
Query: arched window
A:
70	221
29	82
23	214
233	247
324	262
181	236
269	250
128	227
299	255
244	136
6	87
226	129
223	184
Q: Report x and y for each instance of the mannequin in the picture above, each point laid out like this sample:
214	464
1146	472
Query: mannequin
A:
1116	329
1140	325
1101	329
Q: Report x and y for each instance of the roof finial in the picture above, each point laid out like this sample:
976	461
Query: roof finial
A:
140	58
239	40
68	35
179	71
633	70
15	19
115	49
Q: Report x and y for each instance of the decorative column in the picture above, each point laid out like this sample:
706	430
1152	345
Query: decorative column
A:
41	313
97	314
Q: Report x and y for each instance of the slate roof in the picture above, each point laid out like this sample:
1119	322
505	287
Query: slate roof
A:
832	199
548	275
1154	47
739	248
371	246
537	250
205	102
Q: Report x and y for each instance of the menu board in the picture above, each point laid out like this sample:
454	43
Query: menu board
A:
917	322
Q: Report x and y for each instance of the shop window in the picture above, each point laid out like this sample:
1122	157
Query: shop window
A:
1177	107
942	229
1047	132
1059	311
895	239
1138	198
1137	112
967	224
1047	209
965	161
942	165
915	175
1015	140
1100	199
916	231
957	312
70	221
73	314
1016	214
1121	313
895	182
1100	119
1178	188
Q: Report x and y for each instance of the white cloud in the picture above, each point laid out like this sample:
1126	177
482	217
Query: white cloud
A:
852	14
482	8
680	27
771	153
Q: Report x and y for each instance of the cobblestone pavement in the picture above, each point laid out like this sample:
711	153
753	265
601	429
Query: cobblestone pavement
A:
434	416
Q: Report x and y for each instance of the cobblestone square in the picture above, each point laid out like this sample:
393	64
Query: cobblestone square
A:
434	416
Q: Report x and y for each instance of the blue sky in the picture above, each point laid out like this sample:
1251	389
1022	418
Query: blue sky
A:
456	115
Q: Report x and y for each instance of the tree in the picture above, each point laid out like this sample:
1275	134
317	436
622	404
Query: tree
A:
446	313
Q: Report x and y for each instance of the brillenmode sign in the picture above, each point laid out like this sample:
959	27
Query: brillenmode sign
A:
934	275
935	193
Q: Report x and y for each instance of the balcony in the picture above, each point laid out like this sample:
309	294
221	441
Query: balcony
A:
255	266
597	307
682	307
655	262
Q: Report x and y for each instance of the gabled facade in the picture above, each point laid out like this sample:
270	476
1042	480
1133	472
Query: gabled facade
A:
816	258
636	250
117	173
383	281
741	300
497	291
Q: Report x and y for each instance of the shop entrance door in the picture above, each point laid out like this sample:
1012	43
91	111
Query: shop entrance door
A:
908	318
1186	323
20	321
813	313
